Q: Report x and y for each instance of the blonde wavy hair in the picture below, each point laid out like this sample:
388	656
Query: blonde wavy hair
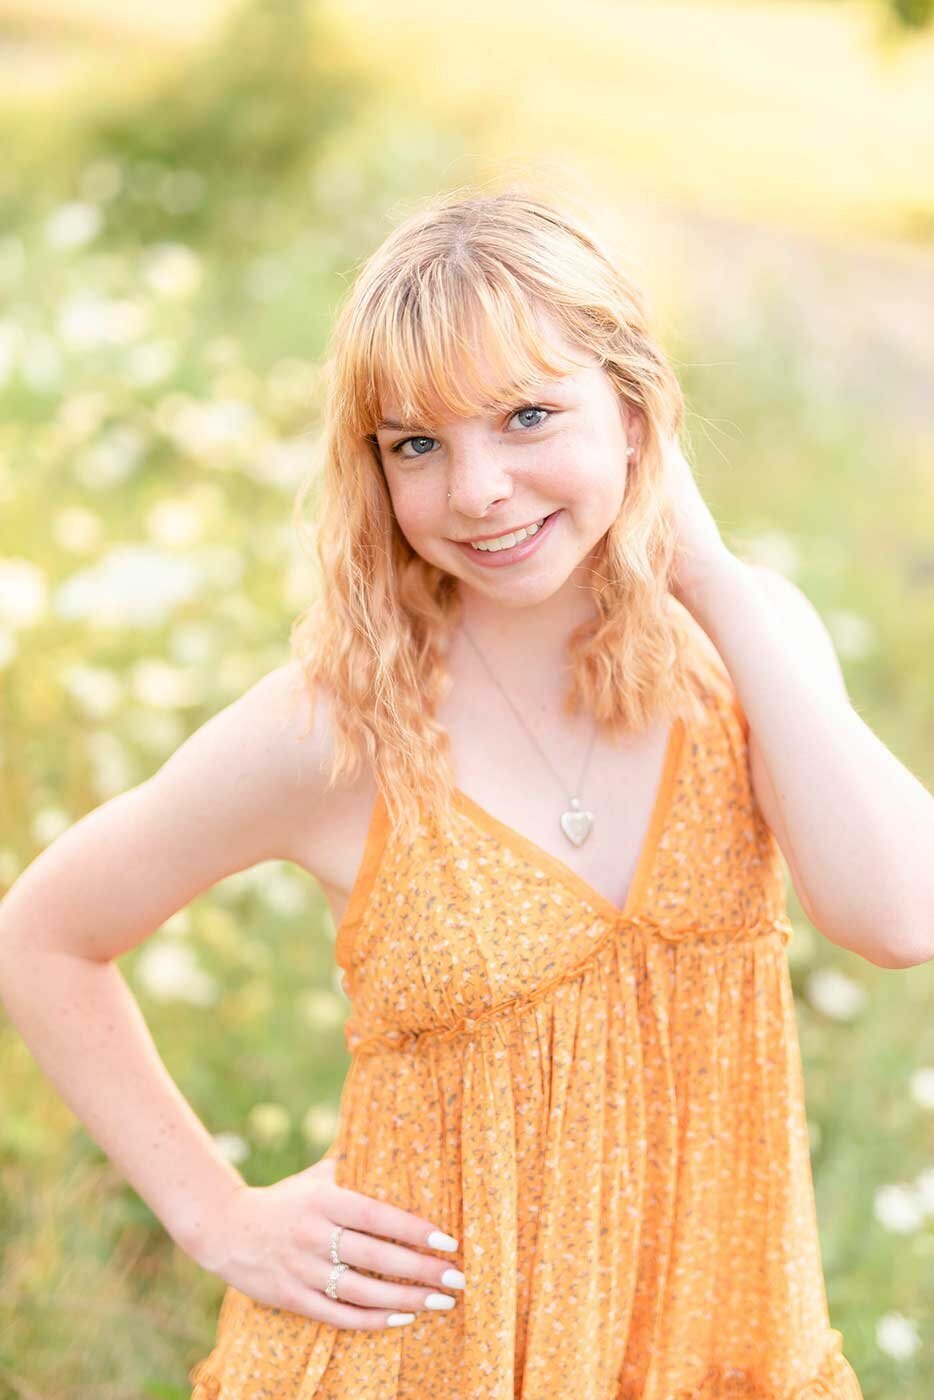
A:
471	269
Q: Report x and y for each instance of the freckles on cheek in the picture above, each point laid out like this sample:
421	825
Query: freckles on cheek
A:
416	519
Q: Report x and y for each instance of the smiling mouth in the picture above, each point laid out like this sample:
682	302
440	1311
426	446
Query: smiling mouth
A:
529	531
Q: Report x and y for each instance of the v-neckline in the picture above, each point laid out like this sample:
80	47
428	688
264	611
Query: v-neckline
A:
532	852
379	832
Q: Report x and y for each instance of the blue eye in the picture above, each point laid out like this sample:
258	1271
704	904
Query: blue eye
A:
533	408
398	445
528	408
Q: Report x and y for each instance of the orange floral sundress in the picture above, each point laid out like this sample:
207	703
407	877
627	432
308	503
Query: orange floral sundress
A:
605	1107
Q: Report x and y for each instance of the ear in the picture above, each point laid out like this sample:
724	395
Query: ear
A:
633	423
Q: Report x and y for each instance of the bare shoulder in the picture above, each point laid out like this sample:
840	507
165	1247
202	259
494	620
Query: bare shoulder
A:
256	769
297	741
804	623
327	826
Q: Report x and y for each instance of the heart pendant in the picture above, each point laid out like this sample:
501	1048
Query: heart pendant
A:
576	824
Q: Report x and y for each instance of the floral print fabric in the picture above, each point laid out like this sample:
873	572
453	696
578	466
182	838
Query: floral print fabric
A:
604	1106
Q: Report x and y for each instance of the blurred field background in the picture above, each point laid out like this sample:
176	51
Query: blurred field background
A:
185	192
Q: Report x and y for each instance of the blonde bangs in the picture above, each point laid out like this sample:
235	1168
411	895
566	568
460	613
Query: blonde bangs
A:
454	339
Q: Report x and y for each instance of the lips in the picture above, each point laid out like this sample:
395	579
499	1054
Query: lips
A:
500	558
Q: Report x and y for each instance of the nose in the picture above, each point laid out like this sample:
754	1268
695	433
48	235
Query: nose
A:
476	481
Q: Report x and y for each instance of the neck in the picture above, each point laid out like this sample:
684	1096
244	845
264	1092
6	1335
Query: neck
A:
524	647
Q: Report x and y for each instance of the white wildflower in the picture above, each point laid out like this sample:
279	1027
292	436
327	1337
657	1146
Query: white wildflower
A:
77	529
129	586
897	1336
269	1124
834	994
49	823
151	362
322	1009
96	690
112	459
921	1086
206	429
170	972
232	1146
23	592
172	270
281	464
159	731
898	1208
319	1124
12	338
162	685
179	925
175	524
87	320
280	889
73	225
40	364
81	413
193	643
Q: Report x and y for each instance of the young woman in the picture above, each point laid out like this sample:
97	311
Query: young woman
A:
557	742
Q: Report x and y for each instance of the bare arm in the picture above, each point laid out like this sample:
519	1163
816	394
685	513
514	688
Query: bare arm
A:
232	795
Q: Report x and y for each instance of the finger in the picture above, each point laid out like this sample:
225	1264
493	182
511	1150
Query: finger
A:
309	1302
379	1293
370	1216
378	1257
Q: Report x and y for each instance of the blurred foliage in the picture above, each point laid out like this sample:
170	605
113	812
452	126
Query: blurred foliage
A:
913	14
167	273
230	122
245	113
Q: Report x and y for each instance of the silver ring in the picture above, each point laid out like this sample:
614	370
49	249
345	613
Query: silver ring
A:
330	1287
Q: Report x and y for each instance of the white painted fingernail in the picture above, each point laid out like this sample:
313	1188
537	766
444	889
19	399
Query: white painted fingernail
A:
397	1319
439	1240
452	1278
439	1300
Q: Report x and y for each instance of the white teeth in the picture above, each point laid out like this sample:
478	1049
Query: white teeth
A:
507	541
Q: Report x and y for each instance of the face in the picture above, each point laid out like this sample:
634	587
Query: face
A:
558	457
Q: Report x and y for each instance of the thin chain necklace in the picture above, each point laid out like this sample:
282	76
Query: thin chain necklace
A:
576	822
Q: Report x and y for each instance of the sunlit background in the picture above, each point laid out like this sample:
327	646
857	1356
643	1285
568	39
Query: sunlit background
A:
185	192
